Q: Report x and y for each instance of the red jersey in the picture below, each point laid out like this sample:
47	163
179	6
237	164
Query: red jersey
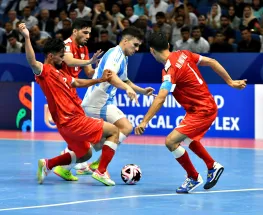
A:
62	103
189	87
79	52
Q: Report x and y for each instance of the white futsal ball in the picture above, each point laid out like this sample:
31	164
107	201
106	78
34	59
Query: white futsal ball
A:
131	174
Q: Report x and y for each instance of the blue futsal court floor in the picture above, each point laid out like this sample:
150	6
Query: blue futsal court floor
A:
239	190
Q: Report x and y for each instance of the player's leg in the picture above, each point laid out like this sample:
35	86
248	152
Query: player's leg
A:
85	130
125	128
113	115
79	146
194	179
111	133
46	165
215	169
65	170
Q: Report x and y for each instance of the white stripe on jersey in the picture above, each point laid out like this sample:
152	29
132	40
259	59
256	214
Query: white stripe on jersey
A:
104	93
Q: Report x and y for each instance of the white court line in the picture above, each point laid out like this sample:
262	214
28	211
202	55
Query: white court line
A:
129	197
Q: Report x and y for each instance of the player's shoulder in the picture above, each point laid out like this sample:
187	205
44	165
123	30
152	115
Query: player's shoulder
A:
171	59
68	41
116	54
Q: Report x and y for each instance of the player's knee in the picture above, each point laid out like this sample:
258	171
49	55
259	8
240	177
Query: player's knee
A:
170	144
126	129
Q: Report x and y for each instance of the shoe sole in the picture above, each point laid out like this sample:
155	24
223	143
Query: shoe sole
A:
213	183
190	191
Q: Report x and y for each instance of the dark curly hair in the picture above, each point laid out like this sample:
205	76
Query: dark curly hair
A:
80	23
53	46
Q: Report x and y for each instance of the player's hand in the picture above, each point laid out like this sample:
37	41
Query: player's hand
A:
139	130
94	58
107	75
23	30
132	94
238	84
148	91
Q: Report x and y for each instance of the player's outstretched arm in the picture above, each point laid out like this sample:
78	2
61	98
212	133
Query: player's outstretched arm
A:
30	54
145	91
71	61
117	82
219	69
89	71
155	107
78	83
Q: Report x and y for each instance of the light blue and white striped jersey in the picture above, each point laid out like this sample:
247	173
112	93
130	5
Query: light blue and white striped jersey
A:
103	93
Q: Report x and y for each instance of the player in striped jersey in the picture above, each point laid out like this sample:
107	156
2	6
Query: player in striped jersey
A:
98	101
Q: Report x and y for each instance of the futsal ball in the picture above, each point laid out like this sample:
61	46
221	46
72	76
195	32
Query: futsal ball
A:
131	174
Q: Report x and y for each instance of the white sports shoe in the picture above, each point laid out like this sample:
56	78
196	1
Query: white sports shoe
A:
189	185
103	178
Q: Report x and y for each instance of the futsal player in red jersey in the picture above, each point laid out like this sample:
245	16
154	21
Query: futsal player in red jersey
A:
76	55
182	77
76	52
75	59
77	129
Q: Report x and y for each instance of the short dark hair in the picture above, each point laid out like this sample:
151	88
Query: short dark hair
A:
104	32
160	15
244	29
80	23
53	46
12	35
134	32
224	16
185	29
158	41
196	28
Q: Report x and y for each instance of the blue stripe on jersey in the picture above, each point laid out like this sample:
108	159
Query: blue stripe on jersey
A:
122	67
103	62
103	113
119	53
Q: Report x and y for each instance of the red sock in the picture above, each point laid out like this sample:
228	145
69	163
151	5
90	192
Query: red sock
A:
201	152
107	155
186	163
61	160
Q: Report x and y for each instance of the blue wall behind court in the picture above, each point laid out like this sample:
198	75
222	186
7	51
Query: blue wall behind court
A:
142	68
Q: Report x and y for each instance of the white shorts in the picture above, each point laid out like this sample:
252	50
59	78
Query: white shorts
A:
109	113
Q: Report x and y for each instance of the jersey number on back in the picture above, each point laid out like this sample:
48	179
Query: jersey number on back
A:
198	79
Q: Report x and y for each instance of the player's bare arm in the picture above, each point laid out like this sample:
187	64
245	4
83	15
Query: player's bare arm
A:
89	71
219	69
145	91
117	82
78	83
71	61
30	54
155	107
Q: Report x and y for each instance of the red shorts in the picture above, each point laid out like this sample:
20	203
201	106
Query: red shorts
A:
194	126
80	131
